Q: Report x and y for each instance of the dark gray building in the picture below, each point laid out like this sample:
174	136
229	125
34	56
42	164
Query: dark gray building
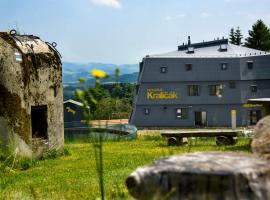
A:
202	84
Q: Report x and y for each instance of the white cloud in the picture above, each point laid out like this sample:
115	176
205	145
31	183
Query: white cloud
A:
205	15
110	3
175	17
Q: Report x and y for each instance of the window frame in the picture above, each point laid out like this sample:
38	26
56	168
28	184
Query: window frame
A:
253	88
163	70
232	84
250	65
146	111
188	66
218	87
222	64
192	92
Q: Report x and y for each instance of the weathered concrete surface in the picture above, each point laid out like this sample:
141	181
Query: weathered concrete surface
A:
209	175
36	80
261	140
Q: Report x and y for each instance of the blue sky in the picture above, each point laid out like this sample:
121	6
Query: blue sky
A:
123	31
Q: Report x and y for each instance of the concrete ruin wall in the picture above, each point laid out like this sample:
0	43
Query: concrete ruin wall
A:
36	80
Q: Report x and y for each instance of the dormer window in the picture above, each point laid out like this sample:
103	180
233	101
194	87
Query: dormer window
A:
163	70
223	47
190	50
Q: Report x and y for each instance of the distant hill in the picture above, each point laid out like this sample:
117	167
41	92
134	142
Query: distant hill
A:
73	71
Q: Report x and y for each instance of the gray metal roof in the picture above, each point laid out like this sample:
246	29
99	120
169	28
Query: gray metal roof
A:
73	102
211	50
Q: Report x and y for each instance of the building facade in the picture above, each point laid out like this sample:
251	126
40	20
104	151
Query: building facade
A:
202	84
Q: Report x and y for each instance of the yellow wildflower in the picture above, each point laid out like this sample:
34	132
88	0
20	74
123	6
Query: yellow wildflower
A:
97	73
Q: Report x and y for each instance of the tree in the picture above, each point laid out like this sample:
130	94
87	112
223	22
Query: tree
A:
232	36
259	37
238	36
235	36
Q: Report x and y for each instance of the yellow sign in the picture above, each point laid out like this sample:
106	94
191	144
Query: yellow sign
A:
248	105
158	93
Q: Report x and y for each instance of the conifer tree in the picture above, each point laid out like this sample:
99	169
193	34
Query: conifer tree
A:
232	36
259	37
238	36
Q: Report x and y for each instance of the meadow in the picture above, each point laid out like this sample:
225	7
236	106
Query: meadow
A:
74	176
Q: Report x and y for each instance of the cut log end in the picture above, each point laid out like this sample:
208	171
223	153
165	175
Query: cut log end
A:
133	183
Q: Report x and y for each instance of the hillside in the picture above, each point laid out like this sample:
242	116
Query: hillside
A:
73	71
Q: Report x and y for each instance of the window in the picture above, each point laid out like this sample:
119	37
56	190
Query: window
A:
188	67
223	47
232	84
250	65
193	90
163	70
224	66
254	116
190	50
147	111
181	113
215	90
253	88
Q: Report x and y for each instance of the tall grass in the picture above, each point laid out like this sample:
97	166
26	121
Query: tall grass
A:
75	177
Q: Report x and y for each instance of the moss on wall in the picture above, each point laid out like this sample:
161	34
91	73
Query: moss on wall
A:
18	118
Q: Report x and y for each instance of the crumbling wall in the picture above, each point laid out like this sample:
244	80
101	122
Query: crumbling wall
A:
34	81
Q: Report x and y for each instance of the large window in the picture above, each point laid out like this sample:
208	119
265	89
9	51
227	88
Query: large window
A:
215	90
193	90
181	113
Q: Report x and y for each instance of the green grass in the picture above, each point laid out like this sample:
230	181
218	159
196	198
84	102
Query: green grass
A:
74	176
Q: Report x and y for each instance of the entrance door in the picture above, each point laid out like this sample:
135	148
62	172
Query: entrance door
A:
200	118
39	121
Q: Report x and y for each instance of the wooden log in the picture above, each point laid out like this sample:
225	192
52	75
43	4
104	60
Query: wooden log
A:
261	140
203	176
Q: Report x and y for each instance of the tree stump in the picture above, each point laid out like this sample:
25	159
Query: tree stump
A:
208	175
261	140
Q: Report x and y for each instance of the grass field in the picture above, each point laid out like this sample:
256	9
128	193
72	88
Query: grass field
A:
74	176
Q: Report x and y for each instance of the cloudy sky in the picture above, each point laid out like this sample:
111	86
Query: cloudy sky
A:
123	31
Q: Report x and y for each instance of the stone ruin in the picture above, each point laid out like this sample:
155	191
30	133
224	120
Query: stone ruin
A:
31	95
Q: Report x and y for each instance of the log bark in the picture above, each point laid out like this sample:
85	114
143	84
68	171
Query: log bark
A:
208	175
261	140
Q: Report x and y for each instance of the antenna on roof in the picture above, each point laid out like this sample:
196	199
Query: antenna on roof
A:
189	42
